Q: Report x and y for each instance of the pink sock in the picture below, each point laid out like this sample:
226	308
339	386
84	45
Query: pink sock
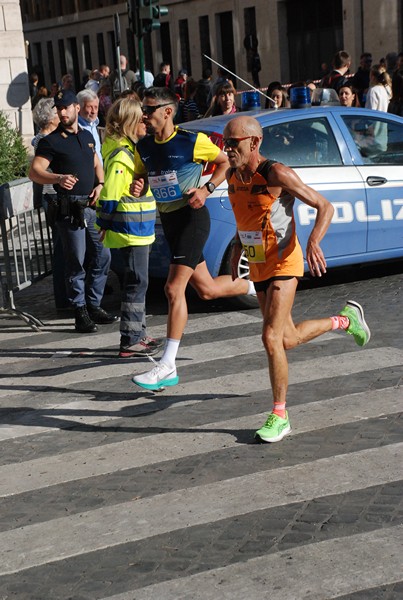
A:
279	409
340	322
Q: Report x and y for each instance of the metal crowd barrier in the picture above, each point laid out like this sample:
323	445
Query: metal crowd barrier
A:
26	246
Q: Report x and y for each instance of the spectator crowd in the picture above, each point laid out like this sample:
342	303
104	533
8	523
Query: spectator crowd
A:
112	100
378	86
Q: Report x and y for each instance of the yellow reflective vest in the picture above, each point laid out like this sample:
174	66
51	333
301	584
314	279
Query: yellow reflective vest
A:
128	221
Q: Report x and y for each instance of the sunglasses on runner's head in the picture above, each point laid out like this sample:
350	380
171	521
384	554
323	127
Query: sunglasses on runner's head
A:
149	110
234	142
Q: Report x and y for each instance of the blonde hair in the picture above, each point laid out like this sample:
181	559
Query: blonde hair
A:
381	75
122	119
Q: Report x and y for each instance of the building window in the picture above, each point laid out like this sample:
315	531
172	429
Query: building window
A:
111	46
51	62
249	15
62	57
38	53
315	34
226	37
165	45
101	49
205	47
131	48
73	64
87	52
184	45
148	52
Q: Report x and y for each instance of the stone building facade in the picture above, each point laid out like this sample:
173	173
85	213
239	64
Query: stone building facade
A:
294	36
14	87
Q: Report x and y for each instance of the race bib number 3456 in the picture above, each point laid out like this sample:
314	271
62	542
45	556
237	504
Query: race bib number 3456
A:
252	243
165	188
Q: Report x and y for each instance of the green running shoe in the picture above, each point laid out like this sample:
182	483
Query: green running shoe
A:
358	327
274	429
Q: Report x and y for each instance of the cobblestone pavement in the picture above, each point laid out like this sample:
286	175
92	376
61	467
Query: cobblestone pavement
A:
110	493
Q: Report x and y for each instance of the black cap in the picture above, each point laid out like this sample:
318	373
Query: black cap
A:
65	98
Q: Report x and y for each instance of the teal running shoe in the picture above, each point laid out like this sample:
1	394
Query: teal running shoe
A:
274	429
358	327
159	377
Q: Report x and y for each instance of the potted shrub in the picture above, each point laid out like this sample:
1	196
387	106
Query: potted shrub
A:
15	188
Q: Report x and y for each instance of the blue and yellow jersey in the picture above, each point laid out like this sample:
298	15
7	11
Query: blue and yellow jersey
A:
174	165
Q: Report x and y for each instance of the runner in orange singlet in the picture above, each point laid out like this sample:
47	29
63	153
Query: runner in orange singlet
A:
262	194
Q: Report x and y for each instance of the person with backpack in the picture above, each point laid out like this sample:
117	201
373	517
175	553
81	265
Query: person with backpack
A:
127	80
337	77
127	223
262	194
164	77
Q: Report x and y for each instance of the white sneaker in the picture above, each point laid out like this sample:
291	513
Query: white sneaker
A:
160	376
251	288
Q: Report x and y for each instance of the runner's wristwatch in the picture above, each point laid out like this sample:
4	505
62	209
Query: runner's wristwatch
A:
210	186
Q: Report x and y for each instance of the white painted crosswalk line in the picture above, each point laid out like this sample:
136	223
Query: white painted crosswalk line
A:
139	519
324	570
343	365
230	385
111	339
100	460
340	365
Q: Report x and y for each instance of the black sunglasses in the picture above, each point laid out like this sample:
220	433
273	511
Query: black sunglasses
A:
234	142
149	110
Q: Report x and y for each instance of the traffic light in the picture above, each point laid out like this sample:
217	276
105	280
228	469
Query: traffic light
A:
133	15
150	13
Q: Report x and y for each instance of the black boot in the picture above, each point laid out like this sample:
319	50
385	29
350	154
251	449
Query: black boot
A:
100	316
84	323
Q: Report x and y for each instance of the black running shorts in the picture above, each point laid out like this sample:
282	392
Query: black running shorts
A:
262	286
186	231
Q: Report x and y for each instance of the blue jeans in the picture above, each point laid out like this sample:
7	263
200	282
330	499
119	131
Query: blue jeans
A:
133	307
84	286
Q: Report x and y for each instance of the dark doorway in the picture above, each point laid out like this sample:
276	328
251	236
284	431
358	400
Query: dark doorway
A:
227	41
184	46
315	34
72	64
165	45
204	32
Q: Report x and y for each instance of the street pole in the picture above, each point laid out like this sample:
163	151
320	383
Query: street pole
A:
116	24
141	56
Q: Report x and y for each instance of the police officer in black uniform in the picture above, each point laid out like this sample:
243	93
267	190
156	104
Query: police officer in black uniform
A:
77	177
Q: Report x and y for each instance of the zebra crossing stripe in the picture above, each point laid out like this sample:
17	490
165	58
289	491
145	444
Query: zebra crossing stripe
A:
330	366
111	338
55	540
100	460
327	569
29	422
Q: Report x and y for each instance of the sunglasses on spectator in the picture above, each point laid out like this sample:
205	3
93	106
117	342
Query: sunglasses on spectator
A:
149	110
234	142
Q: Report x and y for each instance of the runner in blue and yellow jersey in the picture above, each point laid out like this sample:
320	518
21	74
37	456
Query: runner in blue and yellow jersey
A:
171	161
262	194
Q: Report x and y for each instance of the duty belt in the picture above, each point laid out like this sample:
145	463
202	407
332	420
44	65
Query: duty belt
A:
72	207
84	200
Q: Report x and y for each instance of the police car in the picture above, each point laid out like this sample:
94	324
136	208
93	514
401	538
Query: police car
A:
352	156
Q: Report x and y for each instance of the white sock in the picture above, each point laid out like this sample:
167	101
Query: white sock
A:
251	289
170	351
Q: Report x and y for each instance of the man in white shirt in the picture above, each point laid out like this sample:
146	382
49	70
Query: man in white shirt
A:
88	116
148	78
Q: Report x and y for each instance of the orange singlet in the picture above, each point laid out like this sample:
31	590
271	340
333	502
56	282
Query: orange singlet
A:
266	227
